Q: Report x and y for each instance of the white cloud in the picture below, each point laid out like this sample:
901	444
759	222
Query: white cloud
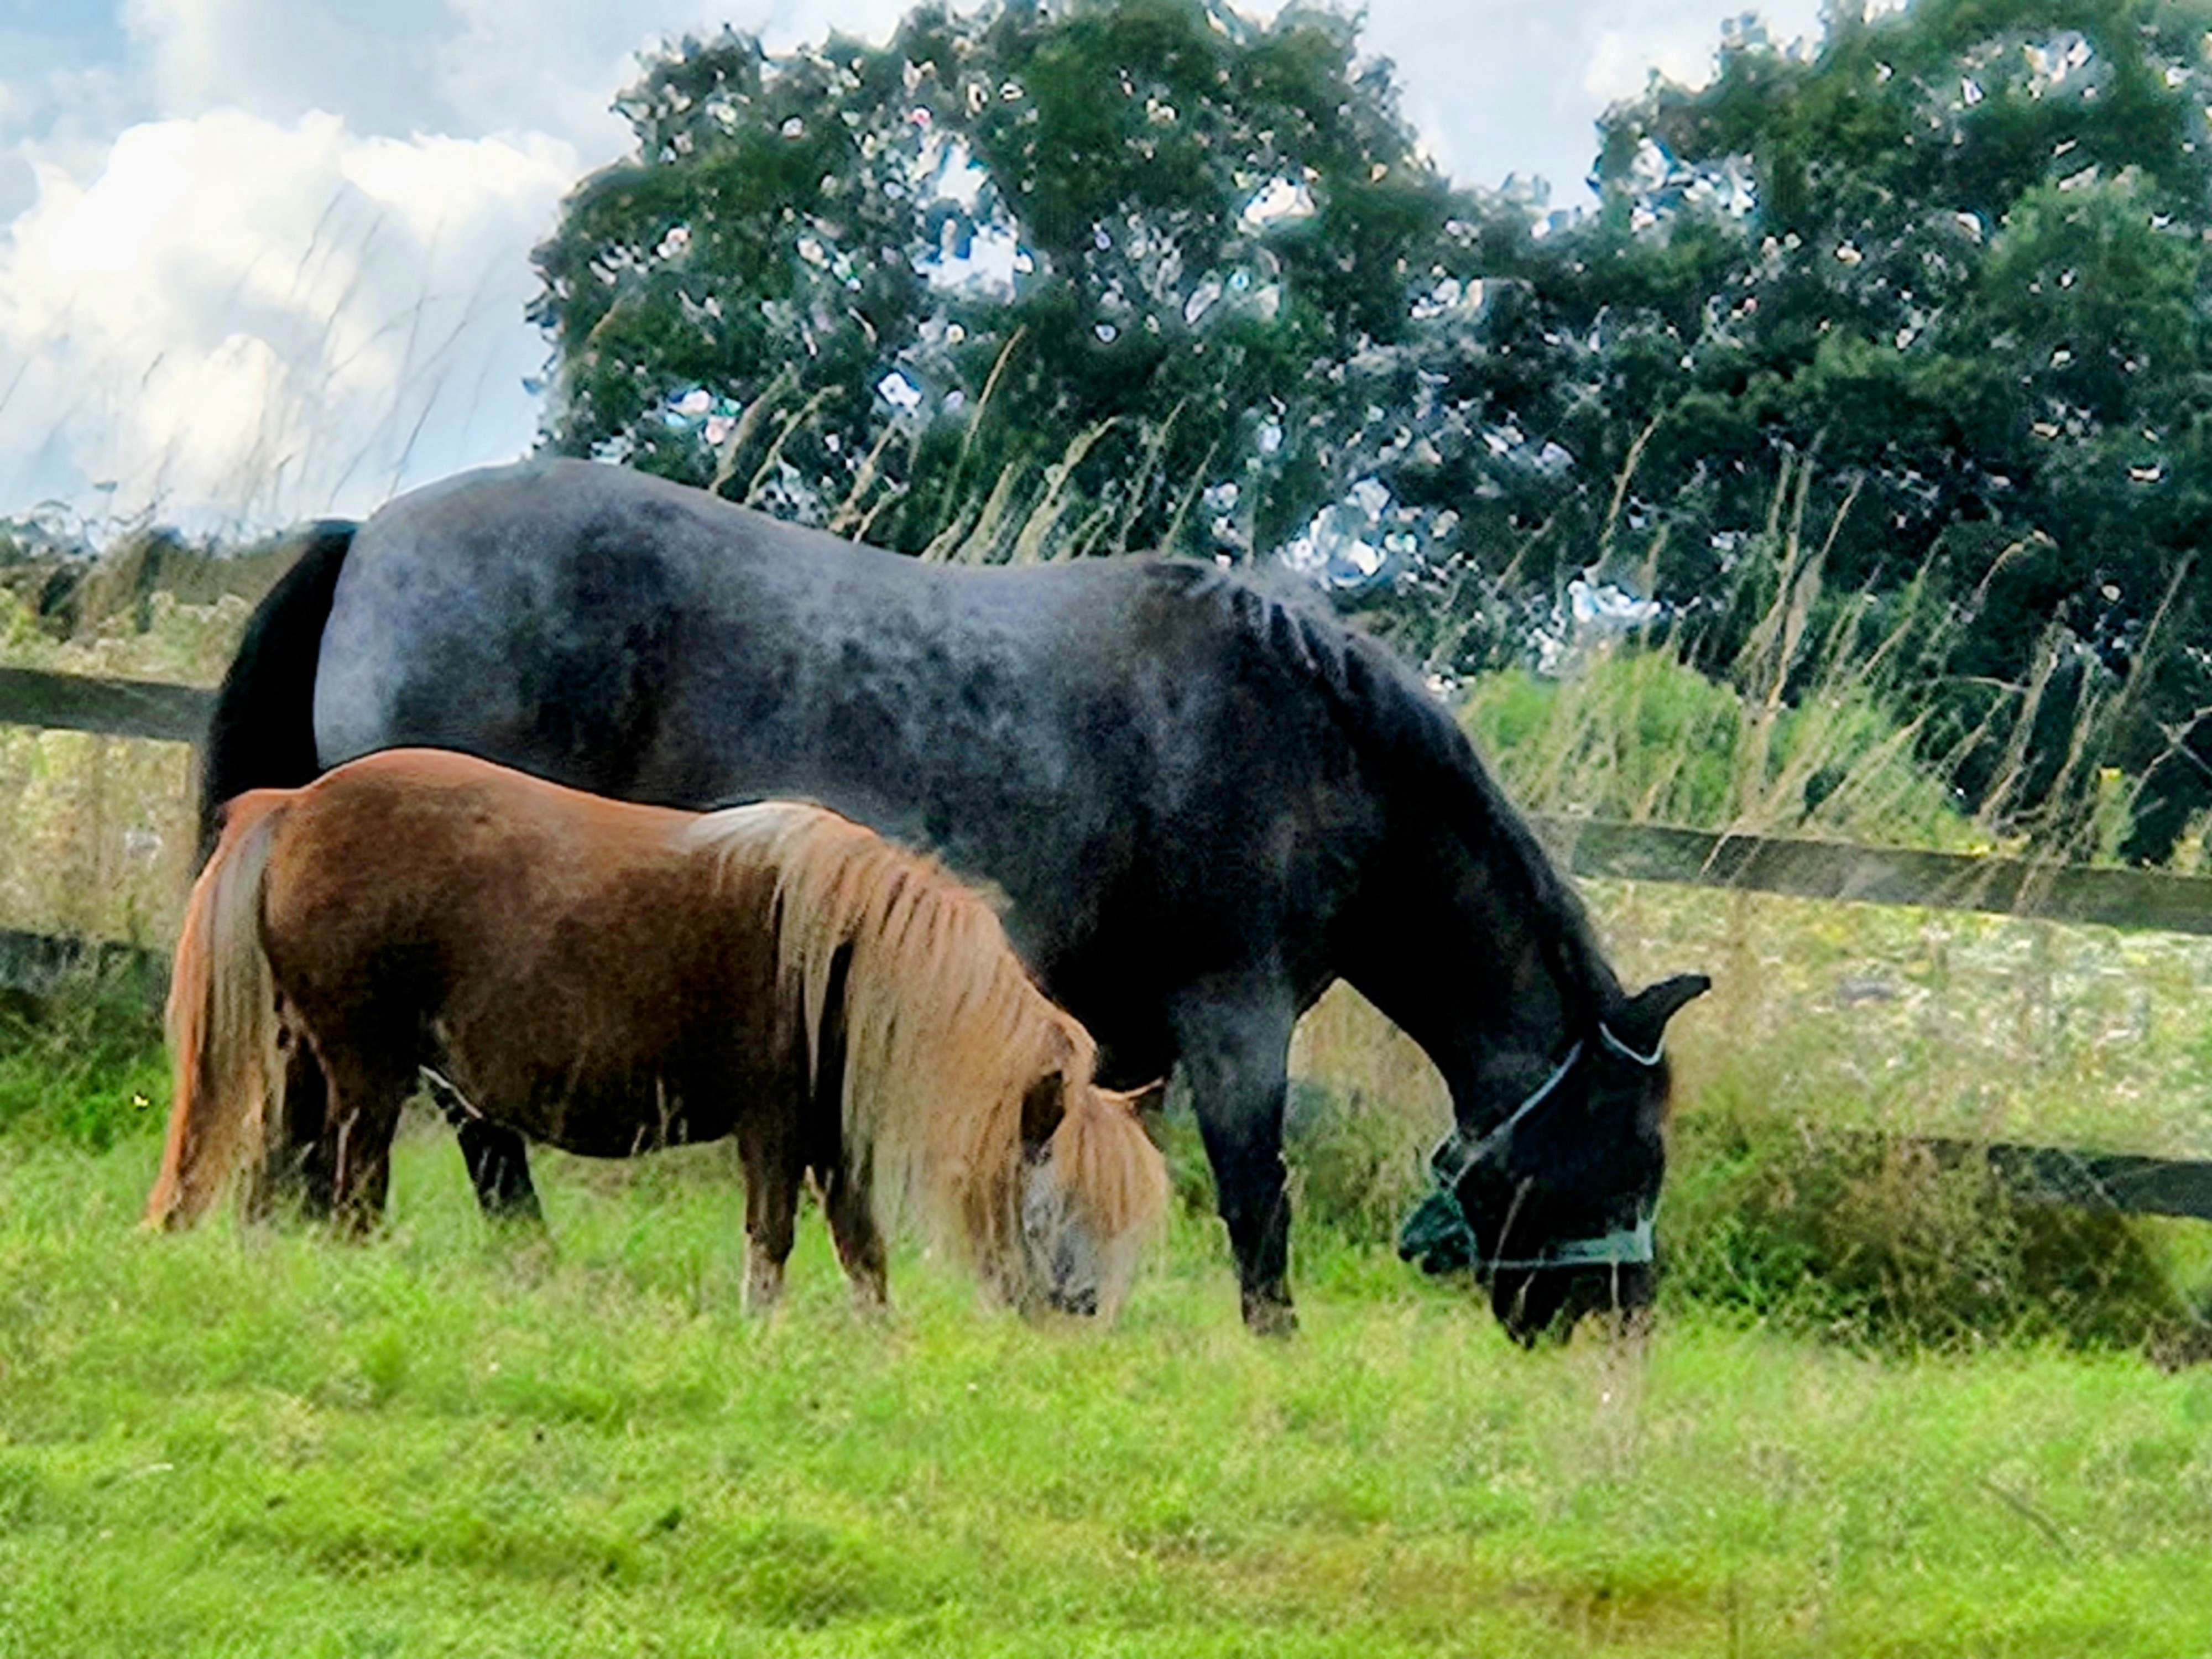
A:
256	309
470	68
1680	39
243	319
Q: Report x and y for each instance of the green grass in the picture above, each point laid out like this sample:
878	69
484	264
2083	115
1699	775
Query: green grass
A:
447	1441
1639	735
81	1061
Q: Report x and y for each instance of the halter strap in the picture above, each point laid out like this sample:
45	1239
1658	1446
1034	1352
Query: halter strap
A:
1455	1154
1459	1152
1624	1247
1606	1035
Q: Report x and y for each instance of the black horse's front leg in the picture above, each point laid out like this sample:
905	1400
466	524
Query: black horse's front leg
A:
497	1158
1235	1043
499	1166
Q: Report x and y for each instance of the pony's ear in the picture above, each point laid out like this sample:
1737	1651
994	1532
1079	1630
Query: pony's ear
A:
1644	1018
1144	1105
1043	1107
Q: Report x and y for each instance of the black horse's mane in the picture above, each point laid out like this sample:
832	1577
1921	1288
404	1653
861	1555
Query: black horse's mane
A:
1387	713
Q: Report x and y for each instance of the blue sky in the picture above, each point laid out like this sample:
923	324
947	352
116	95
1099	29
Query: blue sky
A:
261	260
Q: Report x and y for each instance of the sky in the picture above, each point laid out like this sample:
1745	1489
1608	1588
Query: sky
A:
262	260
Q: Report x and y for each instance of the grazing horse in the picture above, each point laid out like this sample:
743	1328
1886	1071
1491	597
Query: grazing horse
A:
610	978
1203	805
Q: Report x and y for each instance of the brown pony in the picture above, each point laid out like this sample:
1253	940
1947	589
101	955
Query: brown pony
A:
612	978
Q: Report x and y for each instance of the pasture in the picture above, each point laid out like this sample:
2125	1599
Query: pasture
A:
449	1442
1846	533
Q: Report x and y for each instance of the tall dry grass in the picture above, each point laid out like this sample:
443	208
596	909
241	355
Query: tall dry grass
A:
98	831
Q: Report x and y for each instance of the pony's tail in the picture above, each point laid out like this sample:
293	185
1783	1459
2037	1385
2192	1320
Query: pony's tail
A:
228	1073
1113	1178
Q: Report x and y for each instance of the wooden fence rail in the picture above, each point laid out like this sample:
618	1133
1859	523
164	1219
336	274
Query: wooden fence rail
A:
2097	895
36	962
114	707
1591	849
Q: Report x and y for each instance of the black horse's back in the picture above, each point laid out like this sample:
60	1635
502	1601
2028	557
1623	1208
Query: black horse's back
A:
262	735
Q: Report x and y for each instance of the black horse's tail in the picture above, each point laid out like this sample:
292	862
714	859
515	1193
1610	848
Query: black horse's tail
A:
262	735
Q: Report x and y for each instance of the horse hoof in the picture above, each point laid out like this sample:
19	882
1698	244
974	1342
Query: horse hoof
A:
1267	1315
1078	1304
516	1216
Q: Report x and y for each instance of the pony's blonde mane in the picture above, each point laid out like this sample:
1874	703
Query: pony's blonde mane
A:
944	1034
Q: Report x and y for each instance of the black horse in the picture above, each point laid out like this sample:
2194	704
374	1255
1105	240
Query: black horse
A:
1203	805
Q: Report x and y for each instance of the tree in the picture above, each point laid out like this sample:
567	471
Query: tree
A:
1100	267
1947	274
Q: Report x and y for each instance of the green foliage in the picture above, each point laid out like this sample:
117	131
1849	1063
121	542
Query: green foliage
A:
1870	1239
1109	253
1940	289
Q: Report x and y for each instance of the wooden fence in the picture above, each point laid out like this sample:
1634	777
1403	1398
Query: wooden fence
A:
111	708
2124	899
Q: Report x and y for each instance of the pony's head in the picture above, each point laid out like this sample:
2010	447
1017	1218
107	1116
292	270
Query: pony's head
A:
973	1095
1552	1206
1094	1188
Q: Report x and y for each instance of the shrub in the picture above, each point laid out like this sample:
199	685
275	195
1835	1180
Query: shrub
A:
1642	736
1887	1242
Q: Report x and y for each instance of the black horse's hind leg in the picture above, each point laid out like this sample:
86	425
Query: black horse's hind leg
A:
850	1206
1235	1047
498	1161
500	1167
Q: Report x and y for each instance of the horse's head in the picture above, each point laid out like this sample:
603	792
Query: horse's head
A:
1093	1188
1552	1206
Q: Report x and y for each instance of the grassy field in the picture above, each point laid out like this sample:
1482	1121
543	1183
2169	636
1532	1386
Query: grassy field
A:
447	1441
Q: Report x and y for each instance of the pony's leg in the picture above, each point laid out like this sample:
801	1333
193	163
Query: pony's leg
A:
365	1098
1235	1044
772	1181
851	1209
293	1174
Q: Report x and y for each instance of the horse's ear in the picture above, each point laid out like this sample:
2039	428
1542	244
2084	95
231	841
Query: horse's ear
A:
1043	1106
1646	1017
